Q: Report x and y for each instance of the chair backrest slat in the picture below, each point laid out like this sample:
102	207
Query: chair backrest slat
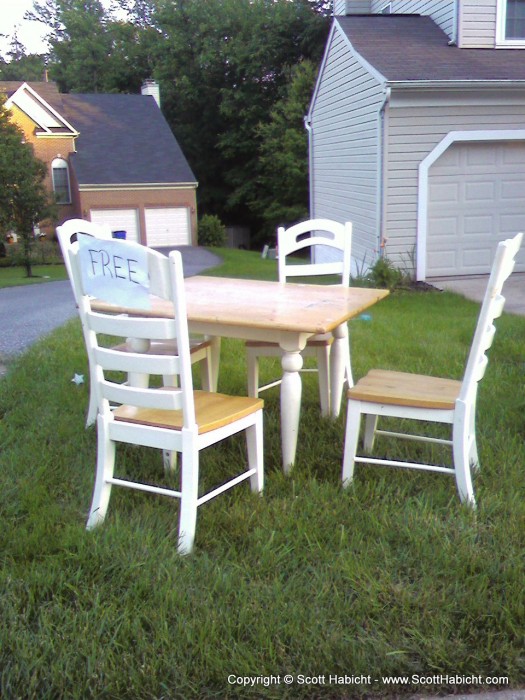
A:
491	308
171	400
135	327
312	234
116	360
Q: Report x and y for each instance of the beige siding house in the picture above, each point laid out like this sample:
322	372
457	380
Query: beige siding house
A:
417	131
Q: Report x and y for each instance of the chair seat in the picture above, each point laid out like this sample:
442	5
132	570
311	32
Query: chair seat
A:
320	340
406	389
212	411
168	347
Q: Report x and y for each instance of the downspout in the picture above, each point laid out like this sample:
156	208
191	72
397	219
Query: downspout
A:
308	127
381	176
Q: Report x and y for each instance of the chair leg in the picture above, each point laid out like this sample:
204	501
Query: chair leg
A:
206	367
348	367
105	468
252	361
254	444
353	421
323	371
473	453
188	501
461	453
370	432
91	416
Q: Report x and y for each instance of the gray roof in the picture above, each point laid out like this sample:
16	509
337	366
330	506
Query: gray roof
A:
413	48
124	139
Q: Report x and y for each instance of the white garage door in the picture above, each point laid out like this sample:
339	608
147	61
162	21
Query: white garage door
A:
118	220
168	226
476	199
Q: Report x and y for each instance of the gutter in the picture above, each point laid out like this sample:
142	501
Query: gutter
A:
382	149
451	84
308	127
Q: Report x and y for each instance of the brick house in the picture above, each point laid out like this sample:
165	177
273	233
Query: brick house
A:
111	158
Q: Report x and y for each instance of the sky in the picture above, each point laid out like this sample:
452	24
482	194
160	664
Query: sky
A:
29	33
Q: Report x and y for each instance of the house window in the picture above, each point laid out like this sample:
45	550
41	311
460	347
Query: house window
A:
387	9
511	22
61	187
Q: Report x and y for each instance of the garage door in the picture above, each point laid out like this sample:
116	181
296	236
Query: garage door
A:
168	226
476	199
118	220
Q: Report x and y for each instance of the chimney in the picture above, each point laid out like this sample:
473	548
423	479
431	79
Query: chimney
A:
151	87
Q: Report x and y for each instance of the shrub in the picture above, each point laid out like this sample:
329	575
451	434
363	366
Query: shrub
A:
212	232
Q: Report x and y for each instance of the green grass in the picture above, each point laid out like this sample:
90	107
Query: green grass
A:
390	577
16	276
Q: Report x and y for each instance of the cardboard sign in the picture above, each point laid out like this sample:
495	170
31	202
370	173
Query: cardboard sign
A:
114	271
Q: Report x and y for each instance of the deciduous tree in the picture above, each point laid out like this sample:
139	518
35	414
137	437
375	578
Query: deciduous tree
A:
23	198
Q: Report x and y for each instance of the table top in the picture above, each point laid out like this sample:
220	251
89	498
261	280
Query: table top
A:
307	308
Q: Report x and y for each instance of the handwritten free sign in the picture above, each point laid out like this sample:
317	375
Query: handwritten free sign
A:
115	271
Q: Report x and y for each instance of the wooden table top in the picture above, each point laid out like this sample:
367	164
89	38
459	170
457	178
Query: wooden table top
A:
307	308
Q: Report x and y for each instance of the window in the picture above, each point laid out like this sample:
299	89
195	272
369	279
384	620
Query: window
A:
60	174
387	9
511	22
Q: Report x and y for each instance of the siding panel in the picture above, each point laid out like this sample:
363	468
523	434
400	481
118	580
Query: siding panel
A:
477	24
442	12
344	146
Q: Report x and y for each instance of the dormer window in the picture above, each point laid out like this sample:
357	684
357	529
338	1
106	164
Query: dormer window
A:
511	23
60	173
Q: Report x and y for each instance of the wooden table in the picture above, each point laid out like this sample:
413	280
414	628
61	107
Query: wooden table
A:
287	314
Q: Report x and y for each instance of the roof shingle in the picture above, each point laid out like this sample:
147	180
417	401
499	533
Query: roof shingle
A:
414	48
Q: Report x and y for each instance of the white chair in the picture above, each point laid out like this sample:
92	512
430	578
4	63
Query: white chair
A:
174	419
200	347
418	397
308	235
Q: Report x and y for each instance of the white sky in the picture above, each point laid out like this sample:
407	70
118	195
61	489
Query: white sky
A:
29	33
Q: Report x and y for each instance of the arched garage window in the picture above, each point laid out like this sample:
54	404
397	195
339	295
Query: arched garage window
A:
61	187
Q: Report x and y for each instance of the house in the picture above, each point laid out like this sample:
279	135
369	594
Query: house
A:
417	131
112	159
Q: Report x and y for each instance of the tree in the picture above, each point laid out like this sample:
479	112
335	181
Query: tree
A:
23	197
220	79
280	191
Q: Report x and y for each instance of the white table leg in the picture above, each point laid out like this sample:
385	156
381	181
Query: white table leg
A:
291	390
215	360
338	355
137	378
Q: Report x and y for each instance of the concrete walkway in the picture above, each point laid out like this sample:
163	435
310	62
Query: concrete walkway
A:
474	288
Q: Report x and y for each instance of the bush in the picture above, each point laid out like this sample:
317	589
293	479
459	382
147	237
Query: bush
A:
212	232
385	275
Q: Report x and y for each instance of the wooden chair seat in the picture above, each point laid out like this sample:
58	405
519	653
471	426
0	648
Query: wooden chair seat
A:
168	347
405	389
212	411
315	341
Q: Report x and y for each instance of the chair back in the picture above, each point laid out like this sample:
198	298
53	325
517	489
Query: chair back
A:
67	238
491	308
313	234
165	279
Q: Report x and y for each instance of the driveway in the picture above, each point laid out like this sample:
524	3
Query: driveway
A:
474	288
29	312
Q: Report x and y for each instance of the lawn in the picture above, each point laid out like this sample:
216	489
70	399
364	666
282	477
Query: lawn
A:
340	589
